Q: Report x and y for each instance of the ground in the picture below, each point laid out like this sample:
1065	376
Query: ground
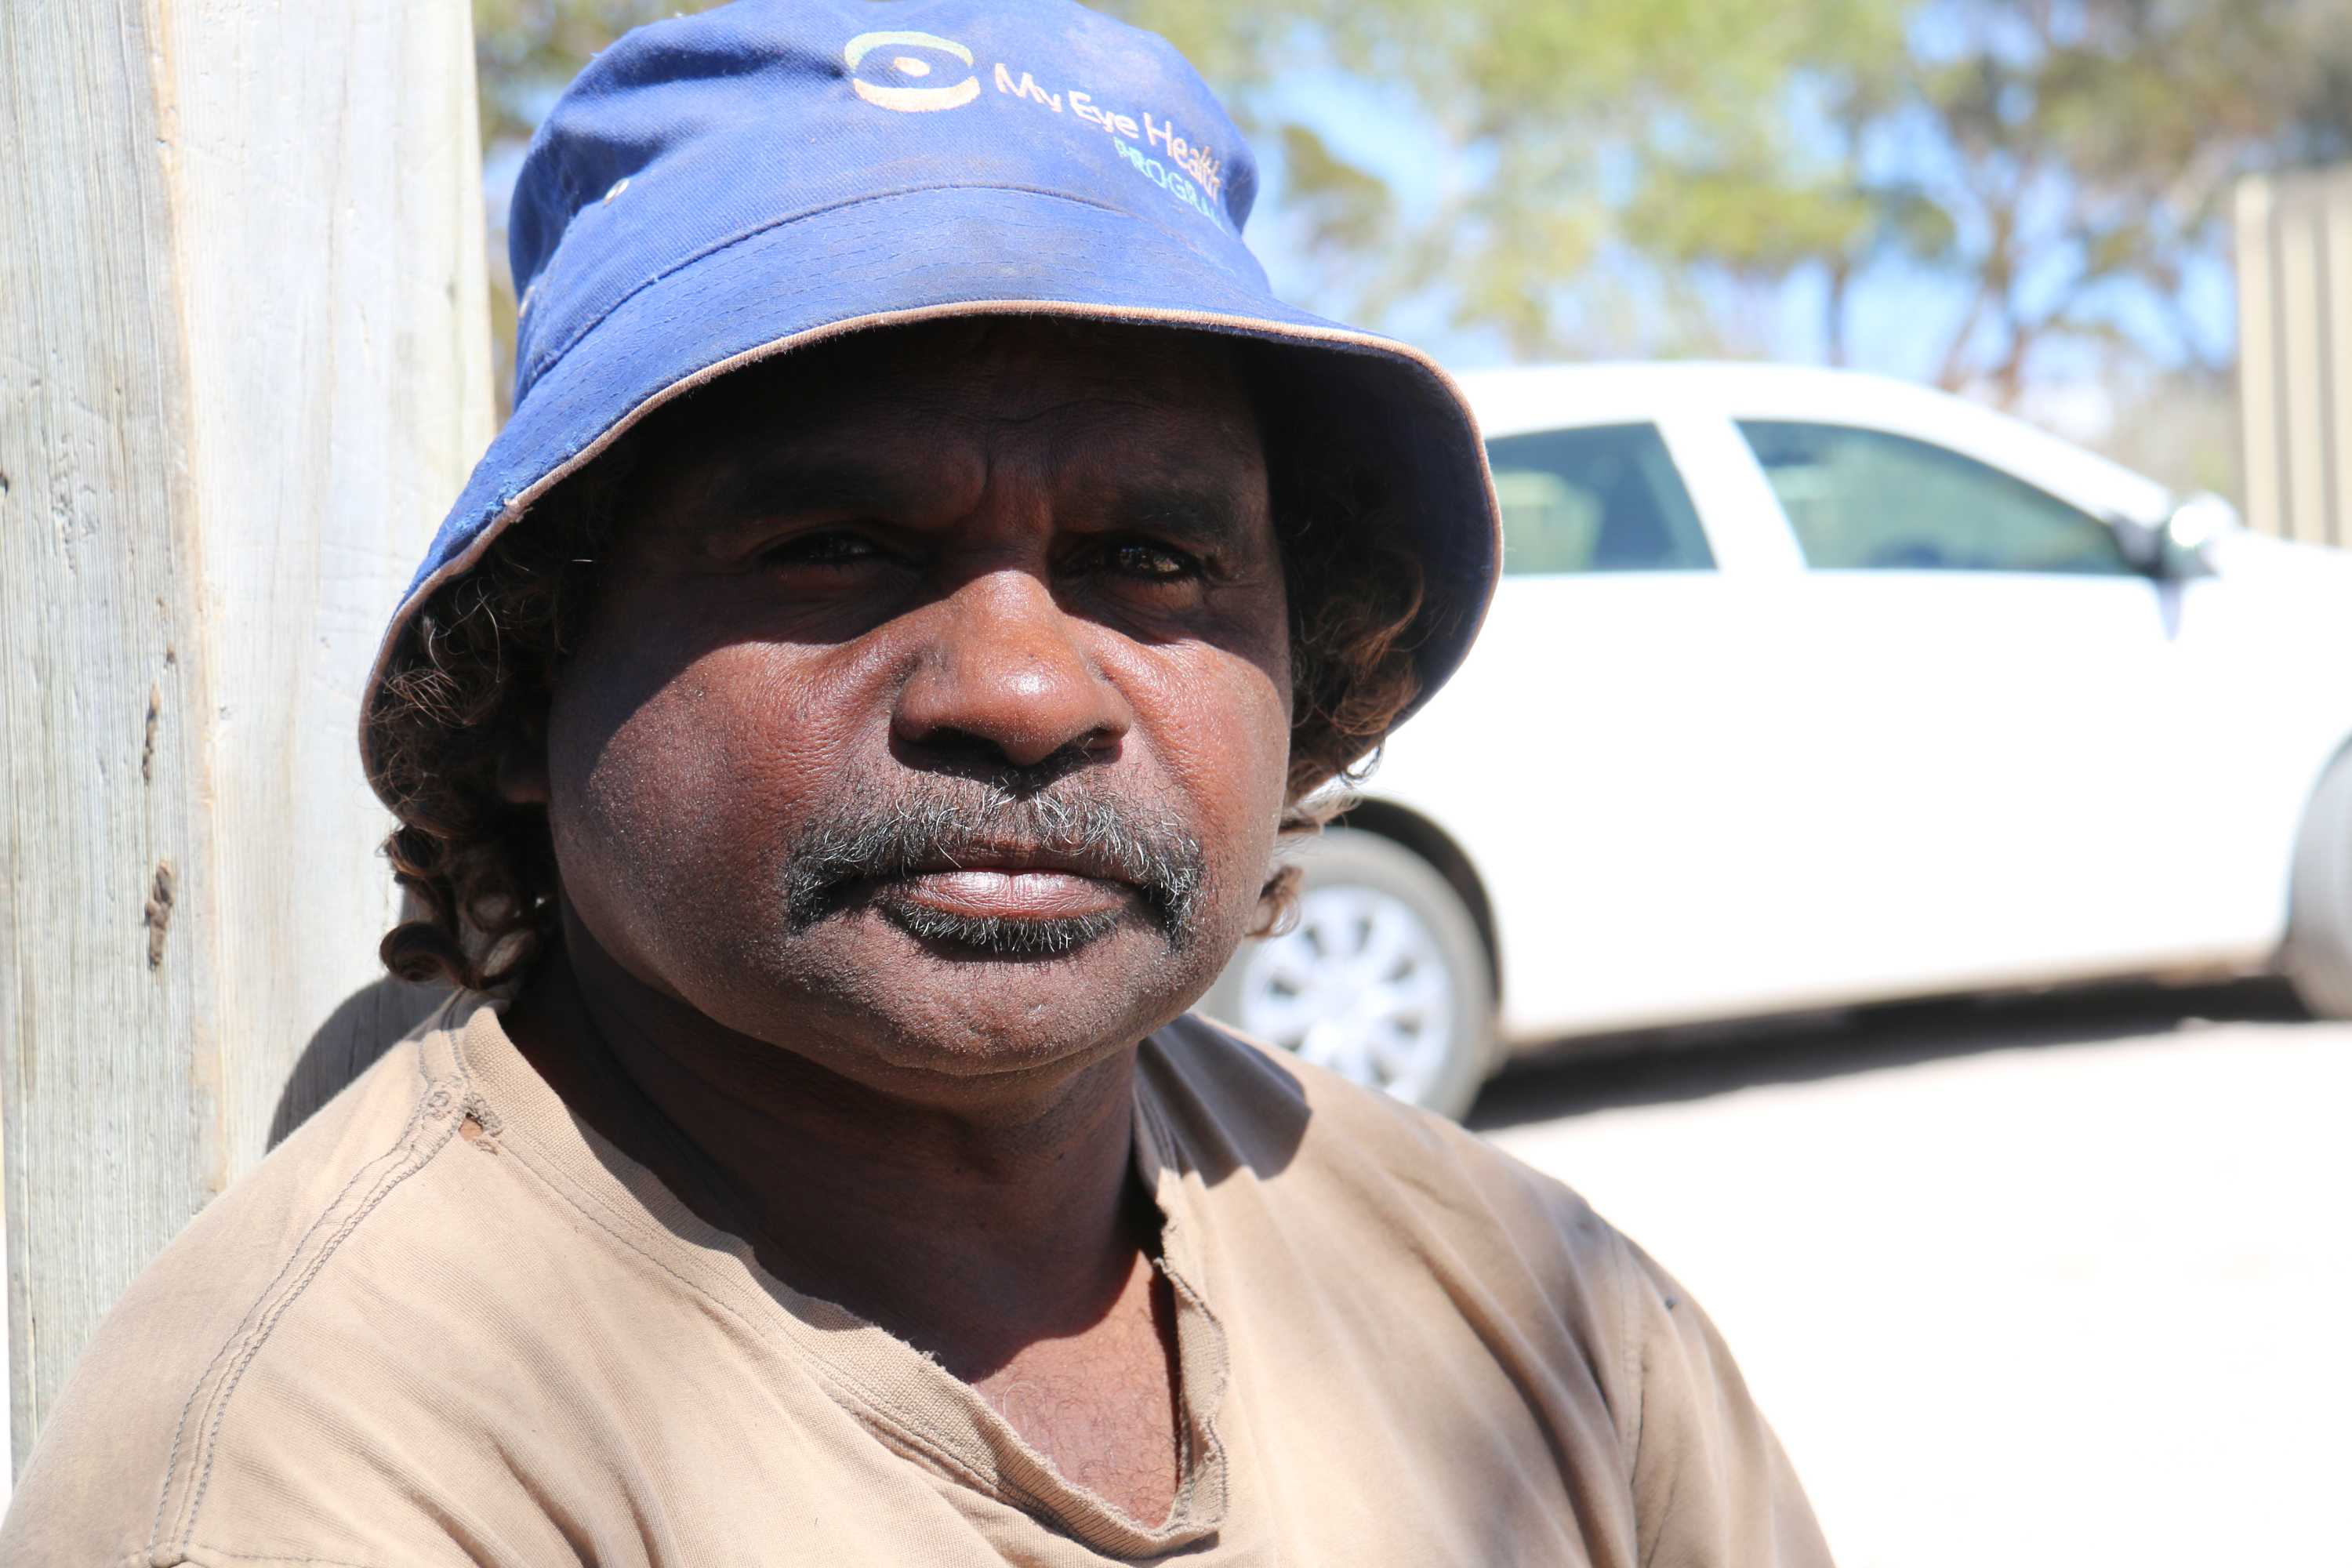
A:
2060	1281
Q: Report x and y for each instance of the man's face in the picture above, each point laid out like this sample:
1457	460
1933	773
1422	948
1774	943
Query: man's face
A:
933	717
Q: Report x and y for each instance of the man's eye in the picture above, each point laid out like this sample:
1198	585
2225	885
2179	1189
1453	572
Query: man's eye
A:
833	548
1149	562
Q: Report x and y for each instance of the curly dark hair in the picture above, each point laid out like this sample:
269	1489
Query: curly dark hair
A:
475	668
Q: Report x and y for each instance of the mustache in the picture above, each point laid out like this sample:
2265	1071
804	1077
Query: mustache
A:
957	821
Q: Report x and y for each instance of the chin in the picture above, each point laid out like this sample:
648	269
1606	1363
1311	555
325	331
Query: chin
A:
972	999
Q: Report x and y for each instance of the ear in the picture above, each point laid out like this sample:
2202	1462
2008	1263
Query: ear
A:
522	769
1278	902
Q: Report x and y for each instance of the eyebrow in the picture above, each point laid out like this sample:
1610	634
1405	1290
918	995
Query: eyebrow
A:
766	486
1194	514
1191	513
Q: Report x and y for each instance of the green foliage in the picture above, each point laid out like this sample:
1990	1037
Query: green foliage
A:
1628	174
2094	144
1568	131
2046	157
526	50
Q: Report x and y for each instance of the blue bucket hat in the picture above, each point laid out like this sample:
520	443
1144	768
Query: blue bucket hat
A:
718	188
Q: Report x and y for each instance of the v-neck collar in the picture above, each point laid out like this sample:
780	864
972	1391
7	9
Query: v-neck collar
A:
907	1400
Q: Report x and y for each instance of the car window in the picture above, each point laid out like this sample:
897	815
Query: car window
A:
1870	500
1606	499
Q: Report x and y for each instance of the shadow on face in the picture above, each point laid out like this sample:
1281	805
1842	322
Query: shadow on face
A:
933	716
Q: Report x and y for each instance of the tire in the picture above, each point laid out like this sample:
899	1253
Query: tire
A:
1385	979
2317	957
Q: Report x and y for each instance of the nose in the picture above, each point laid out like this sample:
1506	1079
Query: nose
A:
1006	679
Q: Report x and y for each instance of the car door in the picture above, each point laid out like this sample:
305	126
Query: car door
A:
2001	721
1596	755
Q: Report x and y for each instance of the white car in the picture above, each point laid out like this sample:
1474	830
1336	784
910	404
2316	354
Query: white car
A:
1806	689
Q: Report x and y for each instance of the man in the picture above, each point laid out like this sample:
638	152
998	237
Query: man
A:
849	717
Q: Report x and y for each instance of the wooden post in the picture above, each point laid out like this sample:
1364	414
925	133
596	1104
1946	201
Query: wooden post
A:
244	365
2294	352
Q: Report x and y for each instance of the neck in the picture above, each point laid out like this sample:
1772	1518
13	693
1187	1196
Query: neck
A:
972	1220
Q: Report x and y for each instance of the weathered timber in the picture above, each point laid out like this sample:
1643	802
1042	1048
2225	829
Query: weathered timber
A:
243	366
2294	352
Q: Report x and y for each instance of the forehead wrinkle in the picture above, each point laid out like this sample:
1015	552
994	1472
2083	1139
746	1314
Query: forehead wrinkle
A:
923	420
847	459
1109	421
994	407
1086	443
1084	406
1153	371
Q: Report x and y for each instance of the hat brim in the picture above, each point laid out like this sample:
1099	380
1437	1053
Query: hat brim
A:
949	251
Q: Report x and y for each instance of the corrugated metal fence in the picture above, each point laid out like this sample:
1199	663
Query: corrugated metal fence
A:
2295	338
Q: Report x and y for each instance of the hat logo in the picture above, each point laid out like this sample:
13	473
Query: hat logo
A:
909	100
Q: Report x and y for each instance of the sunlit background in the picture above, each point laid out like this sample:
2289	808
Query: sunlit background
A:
2050	1279
2028	200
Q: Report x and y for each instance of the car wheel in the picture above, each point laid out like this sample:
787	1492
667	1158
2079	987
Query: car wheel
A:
1384	979
2318	954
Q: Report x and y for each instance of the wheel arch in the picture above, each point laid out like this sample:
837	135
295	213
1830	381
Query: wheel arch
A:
1409	830
2317	953
2335	755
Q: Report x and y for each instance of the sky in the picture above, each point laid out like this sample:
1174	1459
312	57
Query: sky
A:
1899	316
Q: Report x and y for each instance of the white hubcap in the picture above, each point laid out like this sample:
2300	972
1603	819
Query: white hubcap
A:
1360	987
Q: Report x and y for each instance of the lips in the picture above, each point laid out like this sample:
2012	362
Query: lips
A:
1006	894
1007	882
970	865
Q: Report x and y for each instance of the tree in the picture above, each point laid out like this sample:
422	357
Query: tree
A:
2062	165
1642	176
528	50
1555	125
2066	164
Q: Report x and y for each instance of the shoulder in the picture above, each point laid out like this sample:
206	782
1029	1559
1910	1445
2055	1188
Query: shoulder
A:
1364	1209
1340	1147
197	1356
1326	1204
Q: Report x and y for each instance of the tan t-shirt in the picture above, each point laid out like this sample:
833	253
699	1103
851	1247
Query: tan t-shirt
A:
447	1325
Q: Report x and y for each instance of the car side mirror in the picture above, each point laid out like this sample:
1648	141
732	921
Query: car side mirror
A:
2142	543
2198	521
2176	547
